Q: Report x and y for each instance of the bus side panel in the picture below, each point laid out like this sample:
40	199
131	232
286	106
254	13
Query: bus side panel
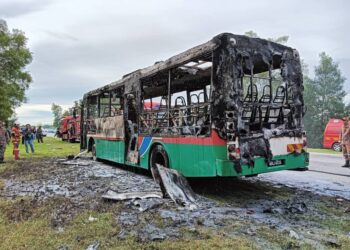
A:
110	150
192	160
192	156
198	160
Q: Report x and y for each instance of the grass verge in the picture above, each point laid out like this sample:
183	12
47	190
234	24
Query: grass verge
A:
52	147
323	150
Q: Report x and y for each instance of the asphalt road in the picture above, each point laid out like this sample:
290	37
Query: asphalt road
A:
325	176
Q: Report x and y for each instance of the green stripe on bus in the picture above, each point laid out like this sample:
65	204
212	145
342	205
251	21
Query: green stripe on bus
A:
110	150
200	160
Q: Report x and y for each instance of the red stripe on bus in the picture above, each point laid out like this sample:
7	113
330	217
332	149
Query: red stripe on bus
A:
214	140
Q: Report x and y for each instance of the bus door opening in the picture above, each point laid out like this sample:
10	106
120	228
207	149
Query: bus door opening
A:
131	129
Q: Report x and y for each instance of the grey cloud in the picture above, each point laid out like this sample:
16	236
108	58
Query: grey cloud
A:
15	8
62	36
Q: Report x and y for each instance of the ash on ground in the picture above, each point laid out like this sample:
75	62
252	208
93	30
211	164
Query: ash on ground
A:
235	206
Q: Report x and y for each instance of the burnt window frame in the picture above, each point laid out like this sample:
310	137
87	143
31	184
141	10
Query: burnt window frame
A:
119	90
206	58
102	93
88	108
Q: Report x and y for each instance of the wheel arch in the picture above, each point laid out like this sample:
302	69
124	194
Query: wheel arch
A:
150	152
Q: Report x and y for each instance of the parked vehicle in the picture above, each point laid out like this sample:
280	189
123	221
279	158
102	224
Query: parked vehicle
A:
44	132
69	129
331	137
50	132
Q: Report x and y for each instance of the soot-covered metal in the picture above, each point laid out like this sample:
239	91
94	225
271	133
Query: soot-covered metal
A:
237	56
209	91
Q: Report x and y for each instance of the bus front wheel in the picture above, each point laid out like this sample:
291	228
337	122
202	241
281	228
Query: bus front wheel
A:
159	156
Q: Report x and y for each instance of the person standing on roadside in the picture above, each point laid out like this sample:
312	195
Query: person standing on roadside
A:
16	138
39	135
345	141
28	138
4	139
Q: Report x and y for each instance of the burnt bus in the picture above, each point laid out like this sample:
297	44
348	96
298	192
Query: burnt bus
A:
232	106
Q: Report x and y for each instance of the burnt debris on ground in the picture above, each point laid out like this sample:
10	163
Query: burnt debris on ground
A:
244	207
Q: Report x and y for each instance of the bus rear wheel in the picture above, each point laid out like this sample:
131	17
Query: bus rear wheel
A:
159	156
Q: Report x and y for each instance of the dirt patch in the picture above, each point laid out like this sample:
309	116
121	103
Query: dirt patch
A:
19	210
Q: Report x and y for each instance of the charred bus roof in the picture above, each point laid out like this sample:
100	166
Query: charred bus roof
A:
260	53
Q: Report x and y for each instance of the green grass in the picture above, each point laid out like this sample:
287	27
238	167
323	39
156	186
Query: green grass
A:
52	147
323	150
33	231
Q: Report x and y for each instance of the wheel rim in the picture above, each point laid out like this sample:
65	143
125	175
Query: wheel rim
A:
336	147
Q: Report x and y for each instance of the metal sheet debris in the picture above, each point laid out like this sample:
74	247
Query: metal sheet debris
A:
80	154
112	195
175	186
75	163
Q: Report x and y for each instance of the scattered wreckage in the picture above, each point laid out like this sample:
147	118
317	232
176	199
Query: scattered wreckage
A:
171	183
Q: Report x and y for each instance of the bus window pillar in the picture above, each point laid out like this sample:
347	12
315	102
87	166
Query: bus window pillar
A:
169	97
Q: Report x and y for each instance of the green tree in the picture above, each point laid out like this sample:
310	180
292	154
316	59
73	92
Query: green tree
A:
57	114
324	98
76	107
260	82
280	39
14	80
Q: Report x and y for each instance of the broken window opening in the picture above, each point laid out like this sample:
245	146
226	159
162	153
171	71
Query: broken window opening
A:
91	114
177	103
104	101
265	100
92	107
117	102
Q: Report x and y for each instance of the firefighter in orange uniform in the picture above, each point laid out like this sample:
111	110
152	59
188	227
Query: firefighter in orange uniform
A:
345	140
16	138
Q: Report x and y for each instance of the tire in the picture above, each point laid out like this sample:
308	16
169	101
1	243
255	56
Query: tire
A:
337	147
93	151
251	175
159	156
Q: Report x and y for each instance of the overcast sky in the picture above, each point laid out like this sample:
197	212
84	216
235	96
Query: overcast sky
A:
79	45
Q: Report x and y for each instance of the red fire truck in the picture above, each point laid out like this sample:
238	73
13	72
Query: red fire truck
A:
69	129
